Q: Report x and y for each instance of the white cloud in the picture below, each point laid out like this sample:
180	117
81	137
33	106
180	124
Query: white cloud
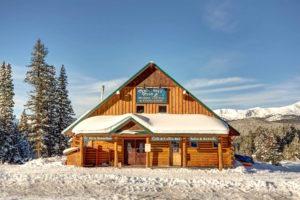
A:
200	83
229	89
218	16
271	95
85	92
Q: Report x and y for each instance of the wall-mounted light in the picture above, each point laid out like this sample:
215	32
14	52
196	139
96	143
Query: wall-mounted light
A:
118	92
184	92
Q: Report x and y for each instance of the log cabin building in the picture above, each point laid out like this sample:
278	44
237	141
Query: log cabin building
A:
150	120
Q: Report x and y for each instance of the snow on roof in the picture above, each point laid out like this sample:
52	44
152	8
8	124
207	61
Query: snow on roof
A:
155	123
70	150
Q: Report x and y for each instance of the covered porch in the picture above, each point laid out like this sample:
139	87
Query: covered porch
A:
148	140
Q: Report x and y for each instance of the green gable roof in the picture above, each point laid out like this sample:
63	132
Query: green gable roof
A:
84	116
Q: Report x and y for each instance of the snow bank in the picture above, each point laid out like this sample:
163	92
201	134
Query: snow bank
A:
48	178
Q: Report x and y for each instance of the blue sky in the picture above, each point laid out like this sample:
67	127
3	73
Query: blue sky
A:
230	54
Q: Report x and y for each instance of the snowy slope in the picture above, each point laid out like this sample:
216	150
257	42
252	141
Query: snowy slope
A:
49	179
270	114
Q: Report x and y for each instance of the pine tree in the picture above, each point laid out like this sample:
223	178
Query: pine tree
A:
37	104
10	148
65	110
55	136
2	132
23	129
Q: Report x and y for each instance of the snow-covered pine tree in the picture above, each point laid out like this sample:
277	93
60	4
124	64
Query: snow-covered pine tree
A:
55	136
23	129
2	133
65	110
10	126
37	104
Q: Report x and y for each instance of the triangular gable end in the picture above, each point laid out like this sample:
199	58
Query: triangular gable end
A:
131	125
139	80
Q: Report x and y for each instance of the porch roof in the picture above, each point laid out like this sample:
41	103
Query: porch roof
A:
154	123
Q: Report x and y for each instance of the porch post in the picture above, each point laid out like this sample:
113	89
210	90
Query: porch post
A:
81	143
116	152
147	154
220	154
184	152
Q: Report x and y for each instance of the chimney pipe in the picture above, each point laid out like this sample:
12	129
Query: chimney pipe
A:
102	93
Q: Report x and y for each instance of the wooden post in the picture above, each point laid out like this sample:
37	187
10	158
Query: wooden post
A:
147	154
81	151
97	155
183	152
220	154
116	152
170	154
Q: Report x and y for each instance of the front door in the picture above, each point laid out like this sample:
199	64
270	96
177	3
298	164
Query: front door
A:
176	153
135	152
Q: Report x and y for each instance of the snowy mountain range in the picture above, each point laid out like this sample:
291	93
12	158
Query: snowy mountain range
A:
269	114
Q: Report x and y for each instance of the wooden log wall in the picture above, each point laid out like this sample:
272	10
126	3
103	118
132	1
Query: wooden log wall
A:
160	154
100	152
73	159
206	154
125	102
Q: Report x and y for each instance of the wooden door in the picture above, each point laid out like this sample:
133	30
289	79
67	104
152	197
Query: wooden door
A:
175	153
135	152
129	146
140	155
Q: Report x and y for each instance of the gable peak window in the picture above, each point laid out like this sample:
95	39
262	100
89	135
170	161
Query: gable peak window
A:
162	109
139	109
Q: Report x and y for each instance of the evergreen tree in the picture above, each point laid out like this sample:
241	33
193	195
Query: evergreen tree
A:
10	147
55	136
37	104
65	110
23	129
2	133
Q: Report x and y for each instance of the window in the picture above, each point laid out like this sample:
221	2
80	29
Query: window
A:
175	146
140	109
194	144
215	144
162	109
141	148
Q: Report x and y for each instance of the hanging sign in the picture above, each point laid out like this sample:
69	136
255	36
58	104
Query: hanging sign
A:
147	147
203	139
151	95
157	139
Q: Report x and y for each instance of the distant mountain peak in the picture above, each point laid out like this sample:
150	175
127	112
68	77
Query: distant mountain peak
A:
270	114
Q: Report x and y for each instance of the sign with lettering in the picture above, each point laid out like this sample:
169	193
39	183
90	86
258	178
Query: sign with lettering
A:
151	95
105	138
147	147
203	139
157	139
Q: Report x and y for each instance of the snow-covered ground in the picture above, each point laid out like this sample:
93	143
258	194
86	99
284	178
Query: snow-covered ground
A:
49	179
